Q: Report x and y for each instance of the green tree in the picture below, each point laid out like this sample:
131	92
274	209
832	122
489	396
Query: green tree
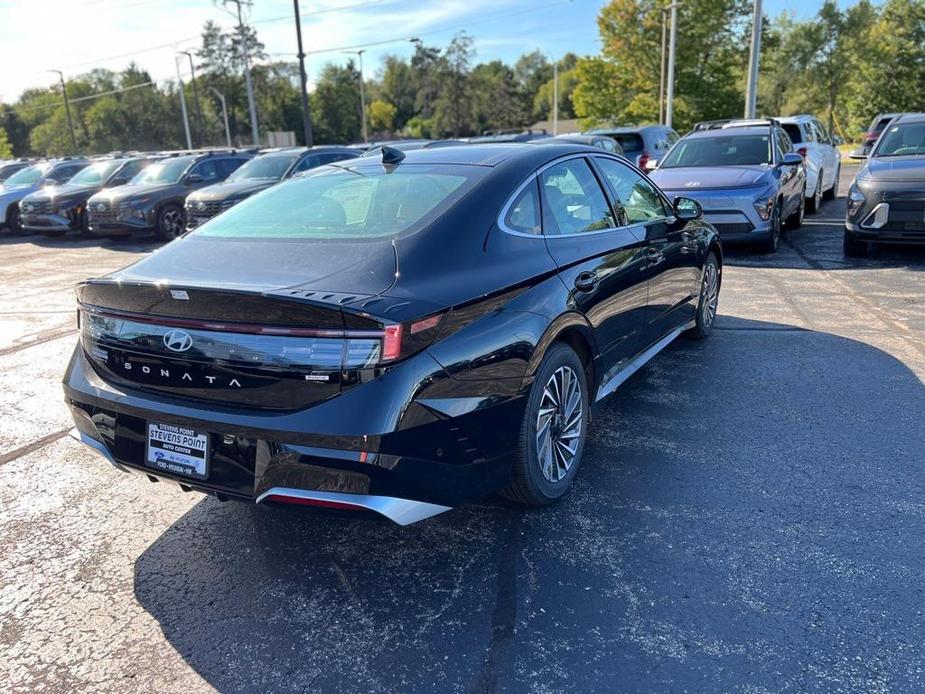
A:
453	113
397	88
336	104
381	117
495	97
6	149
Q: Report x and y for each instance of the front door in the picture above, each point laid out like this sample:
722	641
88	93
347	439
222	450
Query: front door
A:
671	265
600	262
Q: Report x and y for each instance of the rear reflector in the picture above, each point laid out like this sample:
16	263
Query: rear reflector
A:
425	324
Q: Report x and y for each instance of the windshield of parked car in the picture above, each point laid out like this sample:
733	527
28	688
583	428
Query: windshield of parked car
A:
265	167
28	176
720	150
362	202
167	171
95	174
902	139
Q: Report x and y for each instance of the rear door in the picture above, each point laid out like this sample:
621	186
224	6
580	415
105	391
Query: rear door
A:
670	262
600	259
829	155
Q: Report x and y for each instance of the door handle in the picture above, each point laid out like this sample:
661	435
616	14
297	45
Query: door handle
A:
586	281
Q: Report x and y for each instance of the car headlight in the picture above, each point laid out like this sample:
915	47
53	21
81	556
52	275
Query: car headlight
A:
764	203
856	200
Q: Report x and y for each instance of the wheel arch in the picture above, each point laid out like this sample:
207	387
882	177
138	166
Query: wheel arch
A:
572	329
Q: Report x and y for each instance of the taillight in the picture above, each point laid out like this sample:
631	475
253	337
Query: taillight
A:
871	136
643	160
802	151
391	342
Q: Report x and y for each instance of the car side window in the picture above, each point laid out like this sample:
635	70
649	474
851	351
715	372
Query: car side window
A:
206	169
822	133
127	172
228	166
332	157
637	196
573	201
524	213
307	163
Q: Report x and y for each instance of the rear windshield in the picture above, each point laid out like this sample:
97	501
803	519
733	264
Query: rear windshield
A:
905	139
630	142
721	150
794	131
360	202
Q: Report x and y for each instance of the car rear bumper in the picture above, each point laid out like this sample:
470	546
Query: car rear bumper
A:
406	469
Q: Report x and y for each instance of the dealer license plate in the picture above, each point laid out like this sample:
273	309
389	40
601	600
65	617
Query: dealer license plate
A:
178	450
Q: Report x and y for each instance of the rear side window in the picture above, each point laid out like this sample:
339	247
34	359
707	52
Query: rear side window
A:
573	201
638	197
630	142
363	202
524	213
228	166
793	130
206	169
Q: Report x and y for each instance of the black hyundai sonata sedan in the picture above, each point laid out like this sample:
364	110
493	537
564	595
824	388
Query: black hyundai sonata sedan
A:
400	333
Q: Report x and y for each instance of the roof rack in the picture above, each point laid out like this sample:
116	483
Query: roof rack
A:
721	123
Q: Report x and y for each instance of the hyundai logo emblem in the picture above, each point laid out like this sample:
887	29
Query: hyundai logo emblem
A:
200	205
100	207
30	207
178	340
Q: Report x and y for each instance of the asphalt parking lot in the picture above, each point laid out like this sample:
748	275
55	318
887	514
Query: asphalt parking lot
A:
749	517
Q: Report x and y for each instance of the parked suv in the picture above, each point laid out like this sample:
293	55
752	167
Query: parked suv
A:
877	126
55	211
743	174
54	172
256	175
153	200
823	160
885	202
645	145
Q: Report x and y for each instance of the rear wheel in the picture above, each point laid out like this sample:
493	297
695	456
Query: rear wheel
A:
169	223
833	191
709	300
14	220
815	202
854	247
552	434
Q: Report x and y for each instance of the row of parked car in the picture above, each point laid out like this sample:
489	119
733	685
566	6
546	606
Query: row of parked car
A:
752	178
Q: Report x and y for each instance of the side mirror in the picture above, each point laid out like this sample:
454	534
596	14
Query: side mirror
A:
194	178
857	154
686	209
791	159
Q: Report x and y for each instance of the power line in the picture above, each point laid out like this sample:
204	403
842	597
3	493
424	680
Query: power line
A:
90	97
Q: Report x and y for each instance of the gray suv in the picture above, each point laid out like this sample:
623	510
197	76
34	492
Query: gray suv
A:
44	174
643	145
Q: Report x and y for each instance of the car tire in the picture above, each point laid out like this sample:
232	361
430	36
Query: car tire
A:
84	226
14	220
854	247
795	221
815	202
832	192
170	223
709	300
545	463
770	244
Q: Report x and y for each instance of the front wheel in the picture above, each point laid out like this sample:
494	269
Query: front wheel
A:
709	300
169	223
553	430
14	220
770	244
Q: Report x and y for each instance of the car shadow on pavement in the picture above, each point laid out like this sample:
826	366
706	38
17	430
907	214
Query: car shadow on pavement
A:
749	514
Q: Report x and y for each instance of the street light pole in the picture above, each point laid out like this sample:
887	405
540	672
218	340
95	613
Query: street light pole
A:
303	79
189	141
255	135
67	111
192	73
751	93
362	92
661	69
221	97
672	46
555	97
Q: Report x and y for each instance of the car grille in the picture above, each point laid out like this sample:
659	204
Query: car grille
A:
906	216
102	213
38	207
199	212
729	228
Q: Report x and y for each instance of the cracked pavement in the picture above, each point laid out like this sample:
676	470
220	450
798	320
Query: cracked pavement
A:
749	517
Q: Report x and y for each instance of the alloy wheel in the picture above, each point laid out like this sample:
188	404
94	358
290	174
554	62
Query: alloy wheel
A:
172	223
559	423
710	299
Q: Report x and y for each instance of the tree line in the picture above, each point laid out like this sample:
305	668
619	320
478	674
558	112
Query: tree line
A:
843	65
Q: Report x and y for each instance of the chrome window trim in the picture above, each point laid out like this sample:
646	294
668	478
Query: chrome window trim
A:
581	155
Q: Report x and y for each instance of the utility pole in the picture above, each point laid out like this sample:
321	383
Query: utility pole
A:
661	69
247	69
672	46
67	110
555	97
221	97
192	73
751	93
362	93
189	141
303	78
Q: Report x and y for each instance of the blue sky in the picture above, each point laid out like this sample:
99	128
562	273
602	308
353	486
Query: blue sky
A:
43	32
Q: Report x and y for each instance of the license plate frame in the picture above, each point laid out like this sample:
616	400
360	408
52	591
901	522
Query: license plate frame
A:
177	450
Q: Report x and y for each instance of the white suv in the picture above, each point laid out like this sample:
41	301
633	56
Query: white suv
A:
819	151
